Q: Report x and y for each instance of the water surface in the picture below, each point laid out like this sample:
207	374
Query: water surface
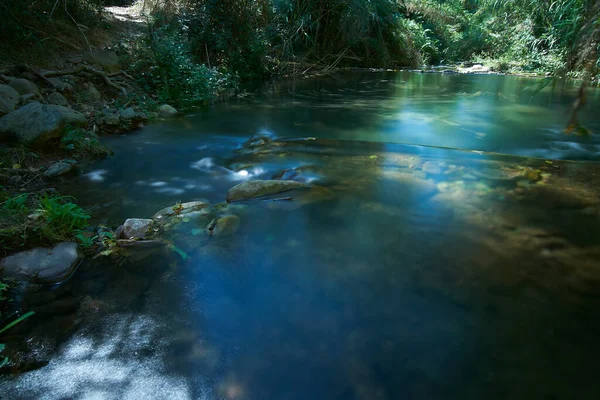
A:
406	271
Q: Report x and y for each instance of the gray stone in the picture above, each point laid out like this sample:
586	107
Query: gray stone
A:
24	86
181	209
37	122
9	98
60	168
107	59
57	99
43	265
474	69
166	111
111	120
88	92
128	113
253	189
225	226
136	228
28	98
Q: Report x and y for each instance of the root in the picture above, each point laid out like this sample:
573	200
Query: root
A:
88	69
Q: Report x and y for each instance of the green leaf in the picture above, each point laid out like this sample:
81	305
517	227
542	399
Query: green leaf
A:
18	320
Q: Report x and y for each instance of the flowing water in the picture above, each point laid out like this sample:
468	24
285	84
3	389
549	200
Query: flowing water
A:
420	264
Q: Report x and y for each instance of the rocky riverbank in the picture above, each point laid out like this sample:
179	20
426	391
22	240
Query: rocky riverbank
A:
60	113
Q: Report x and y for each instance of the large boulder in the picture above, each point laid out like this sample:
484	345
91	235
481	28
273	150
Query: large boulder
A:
23	86
107	59
9	98
36	123
43	265
166	111
253	189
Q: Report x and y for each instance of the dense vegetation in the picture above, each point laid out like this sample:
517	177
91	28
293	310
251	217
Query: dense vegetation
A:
195	49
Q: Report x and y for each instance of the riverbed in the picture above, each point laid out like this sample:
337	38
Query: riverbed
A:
448	246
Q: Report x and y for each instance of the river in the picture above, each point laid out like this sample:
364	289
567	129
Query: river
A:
448	248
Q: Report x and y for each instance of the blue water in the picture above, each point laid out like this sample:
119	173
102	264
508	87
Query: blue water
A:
410	272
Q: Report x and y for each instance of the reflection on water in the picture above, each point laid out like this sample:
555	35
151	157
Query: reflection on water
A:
403	272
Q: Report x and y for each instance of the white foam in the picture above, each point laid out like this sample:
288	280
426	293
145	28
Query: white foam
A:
158	184
170	190
97	176
203	165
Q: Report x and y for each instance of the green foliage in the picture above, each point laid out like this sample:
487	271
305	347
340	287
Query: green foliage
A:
163	65
82	145
22	318
62	219
230	33
16	321
29	220
338	32
16	205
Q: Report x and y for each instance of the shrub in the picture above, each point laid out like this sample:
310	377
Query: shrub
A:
163	65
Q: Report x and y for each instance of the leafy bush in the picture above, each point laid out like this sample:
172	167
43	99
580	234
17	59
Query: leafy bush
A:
163	65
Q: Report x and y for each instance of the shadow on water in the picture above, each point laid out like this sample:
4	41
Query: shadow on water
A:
402	272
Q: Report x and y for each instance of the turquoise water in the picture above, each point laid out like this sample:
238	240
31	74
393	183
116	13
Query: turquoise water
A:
405	272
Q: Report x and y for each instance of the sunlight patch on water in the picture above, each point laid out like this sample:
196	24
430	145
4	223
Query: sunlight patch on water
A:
110	366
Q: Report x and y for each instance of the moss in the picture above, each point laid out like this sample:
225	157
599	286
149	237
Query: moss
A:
82	145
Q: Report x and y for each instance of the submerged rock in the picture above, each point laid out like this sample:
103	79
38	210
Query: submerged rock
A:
60	168
224	226
257	140
181	209
9	98
43	265
432	168
136	228
315	194
38	123
166	111
253	189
